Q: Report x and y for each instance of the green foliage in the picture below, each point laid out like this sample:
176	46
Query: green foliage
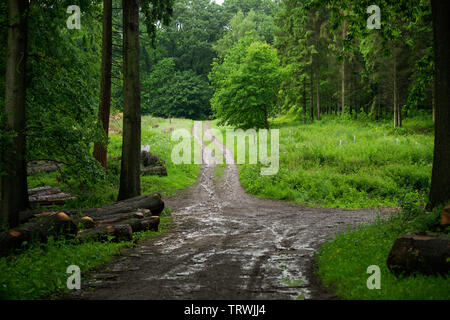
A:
246	84
181	94
258	24
175	70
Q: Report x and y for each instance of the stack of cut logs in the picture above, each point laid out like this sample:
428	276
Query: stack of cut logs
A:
42	166
153	165
116	222
47	196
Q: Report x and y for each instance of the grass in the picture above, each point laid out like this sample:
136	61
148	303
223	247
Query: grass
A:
39	270
343	262
346	163
357	164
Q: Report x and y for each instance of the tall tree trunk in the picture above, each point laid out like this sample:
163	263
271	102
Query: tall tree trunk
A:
304	101
14	197
130	185
311	92
395	94
100	151
343	72
433	102
317	88
440	180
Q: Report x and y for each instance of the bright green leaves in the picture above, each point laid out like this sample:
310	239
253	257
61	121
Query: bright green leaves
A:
246	84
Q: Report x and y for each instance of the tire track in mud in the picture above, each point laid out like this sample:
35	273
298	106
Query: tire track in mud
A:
225	244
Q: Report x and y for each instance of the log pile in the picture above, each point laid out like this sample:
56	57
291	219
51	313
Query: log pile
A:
47	196
154	171
153	165
115	222
42	166
45	225
150	160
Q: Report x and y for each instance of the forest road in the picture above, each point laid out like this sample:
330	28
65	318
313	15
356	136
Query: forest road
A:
225	244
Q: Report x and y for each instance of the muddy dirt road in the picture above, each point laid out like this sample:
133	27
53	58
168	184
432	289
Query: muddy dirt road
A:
225	244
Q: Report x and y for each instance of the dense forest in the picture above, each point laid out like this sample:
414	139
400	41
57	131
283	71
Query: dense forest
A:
246	64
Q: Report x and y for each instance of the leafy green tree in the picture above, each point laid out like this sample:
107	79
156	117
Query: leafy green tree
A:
246	85
182	94
257	23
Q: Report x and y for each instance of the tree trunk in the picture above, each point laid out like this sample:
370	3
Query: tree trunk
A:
343	72
120	232
130	185
395	94
304	102
317	79
100	151
311	93
14	190
440	180
433	102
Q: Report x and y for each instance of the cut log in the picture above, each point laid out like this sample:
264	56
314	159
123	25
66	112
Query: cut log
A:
46	195
445	217
152	202
142	203
51	199
119	232
424	253
88	222
55	224
43	190
120	217
154	171
137	225
42	166
148	159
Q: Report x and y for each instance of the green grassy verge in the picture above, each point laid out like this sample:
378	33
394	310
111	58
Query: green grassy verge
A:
343	262
346	163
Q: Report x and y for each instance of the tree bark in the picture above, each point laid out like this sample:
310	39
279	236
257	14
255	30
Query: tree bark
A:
14	191
311	93
343	72
440	180
317	79
100	151
130	185
304	102
433	102
120	232
395	89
